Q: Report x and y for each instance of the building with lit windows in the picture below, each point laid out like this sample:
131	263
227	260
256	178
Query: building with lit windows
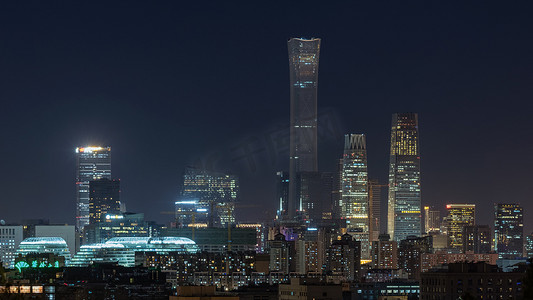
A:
374	208
104	198
508	230
355	206
10	238
459	216
384	253
303	67
343	259
404	212
92	163
432	220
280	251
282	193
122	250
45	245
118	225
477	239
529	245
410	253
207	197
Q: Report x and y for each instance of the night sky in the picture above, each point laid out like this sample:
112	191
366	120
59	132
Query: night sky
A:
168	86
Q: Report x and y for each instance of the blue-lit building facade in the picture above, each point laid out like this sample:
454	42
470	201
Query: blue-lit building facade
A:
113	225
404	212
37	248
207	197
92	163
508	230
122	250
355	205
303	69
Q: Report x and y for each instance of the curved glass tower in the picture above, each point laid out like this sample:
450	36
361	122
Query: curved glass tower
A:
404	214
303	63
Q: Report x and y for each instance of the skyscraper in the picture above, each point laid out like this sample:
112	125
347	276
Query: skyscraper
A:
432	220
476	239
303	63
374	206
459	216
92	163
508	230
208	197
355	208
404	215
104	197
282	193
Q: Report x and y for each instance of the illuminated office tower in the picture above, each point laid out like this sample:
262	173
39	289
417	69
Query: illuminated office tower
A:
303	63
459	216
104	197
92	163
355	208
508	230
374	204
207	197
432	220
404	215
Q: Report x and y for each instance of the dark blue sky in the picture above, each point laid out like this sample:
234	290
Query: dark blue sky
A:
169	84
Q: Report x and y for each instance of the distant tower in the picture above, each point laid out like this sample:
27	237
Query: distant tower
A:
432	220
303	63
459	216
508	230
282	193
404	214
92	163
374	206
104	198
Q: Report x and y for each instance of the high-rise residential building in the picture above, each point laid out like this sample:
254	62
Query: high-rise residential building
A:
207	197
303	63
432	219
404	212
343	258
410	252
355	206
508	230
92	163
282	193
459	216
10	238
384	253
374	208
476	239
104	198
280	254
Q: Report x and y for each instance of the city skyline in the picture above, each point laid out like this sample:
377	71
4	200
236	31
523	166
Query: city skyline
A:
98	103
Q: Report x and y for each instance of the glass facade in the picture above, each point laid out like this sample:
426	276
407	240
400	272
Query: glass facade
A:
508	230
40	245
459	216
303	64
92	163
122	250
404	213
104	197
207	197
355	206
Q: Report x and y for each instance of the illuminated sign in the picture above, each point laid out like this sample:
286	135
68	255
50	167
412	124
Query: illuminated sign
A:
35	264
114	217
90	149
